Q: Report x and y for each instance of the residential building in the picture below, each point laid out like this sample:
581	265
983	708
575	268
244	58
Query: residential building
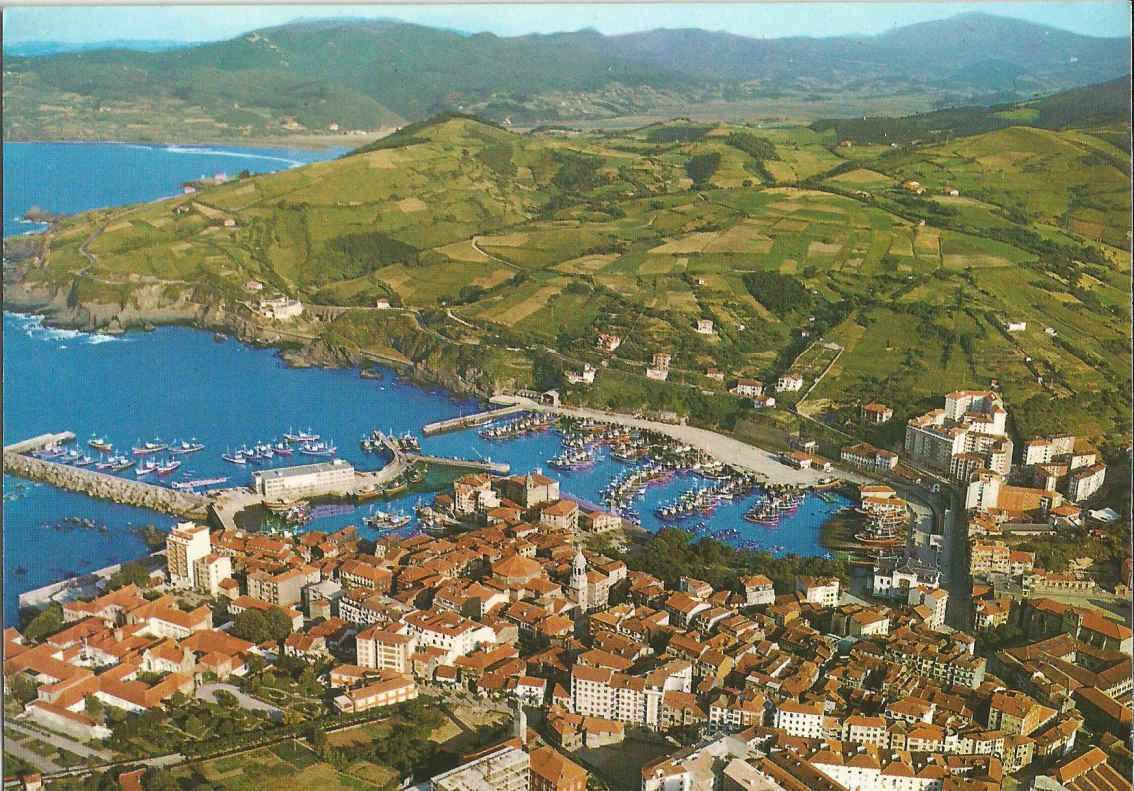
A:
876	413
505	768
186	544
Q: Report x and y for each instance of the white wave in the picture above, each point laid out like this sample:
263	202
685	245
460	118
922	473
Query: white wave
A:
100	338
216	152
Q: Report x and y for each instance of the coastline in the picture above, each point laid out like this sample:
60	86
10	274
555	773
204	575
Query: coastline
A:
305	142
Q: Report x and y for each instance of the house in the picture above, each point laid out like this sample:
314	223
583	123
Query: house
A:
659	374
587	376
763	402
705	326
551	771
229	222
876	413
1016	326
914	187
789	383
608	343
748	387
281	308
713	373
818	590
382	303
662	360
869	457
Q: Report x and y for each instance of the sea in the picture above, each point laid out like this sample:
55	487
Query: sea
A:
177	383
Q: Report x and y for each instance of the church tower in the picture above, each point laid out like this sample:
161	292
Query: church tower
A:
579	580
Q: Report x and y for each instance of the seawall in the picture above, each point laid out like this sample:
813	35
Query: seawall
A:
106	487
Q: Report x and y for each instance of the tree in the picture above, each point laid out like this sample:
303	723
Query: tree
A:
225	698
317	737
93	706
258	627
45	623
24	688
159	780
279	624
133	573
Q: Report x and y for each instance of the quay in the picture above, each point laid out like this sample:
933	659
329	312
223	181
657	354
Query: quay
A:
496	467
468	421
40	442
101	485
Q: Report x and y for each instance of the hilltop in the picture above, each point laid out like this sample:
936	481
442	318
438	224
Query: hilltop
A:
505	256
343	75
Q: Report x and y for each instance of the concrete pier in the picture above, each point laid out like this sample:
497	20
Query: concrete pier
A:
497	467
468	421
103	486
42	441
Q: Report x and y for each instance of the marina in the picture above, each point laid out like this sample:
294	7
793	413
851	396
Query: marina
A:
252	399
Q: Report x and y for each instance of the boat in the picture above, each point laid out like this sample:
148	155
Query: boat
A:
280	449
145	468
381	520
100	443
169	466
104	464
186	447
121	463
370	373
50	452
283	506
572	460
233	458
149	448
315	448
395	491
307	436
83	461
219	337
365	495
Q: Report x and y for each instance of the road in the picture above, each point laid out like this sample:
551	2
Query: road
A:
38	761
60	741
207	692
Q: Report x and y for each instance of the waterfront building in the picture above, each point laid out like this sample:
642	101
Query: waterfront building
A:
869	457
185	545
305	480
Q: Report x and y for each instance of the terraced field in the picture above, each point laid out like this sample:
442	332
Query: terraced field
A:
546	241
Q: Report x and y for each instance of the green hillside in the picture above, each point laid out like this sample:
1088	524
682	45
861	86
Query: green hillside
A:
505	245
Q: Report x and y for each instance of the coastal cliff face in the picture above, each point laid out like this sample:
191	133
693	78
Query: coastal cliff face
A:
146	305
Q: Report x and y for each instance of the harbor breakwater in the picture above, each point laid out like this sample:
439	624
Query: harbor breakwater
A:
106	487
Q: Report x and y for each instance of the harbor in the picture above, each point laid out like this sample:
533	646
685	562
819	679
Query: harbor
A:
251	398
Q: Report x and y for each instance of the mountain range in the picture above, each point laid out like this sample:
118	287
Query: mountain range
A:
368	74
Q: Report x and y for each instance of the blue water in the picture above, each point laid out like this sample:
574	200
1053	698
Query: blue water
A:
178	383
73	177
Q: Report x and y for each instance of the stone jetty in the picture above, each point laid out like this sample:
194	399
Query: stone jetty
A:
468	421
105	487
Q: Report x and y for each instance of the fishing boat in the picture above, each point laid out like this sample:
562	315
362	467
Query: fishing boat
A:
145	468
73	455
365	495
50	452
104	464
308	436
572	460
186	447
233	458
121	463
100	443
149	448
280	449
282	506
381	520
83	461
316	448
395	491
168	466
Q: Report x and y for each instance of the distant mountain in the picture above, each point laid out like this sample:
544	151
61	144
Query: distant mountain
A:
310	75
31	49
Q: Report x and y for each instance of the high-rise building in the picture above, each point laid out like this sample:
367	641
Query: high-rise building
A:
187	544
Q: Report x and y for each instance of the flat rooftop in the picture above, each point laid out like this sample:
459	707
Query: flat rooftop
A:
303	469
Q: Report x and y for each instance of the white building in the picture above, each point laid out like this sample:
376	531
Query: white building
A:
789	382
705	326
800	719
328	477
1084	483
186	544
282	308
748	387
375	647
208	572
819	590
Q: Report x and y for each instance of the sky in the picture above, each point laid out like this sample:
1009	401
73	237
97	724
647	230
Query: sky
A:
88	23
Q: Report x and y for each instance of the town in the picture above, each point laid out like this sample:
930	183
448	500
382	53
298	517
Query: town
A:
544	612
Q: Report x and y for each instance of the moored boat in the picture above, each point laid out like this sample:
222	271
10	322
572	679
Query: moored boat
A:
168	466
100	443
186	447
149	448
